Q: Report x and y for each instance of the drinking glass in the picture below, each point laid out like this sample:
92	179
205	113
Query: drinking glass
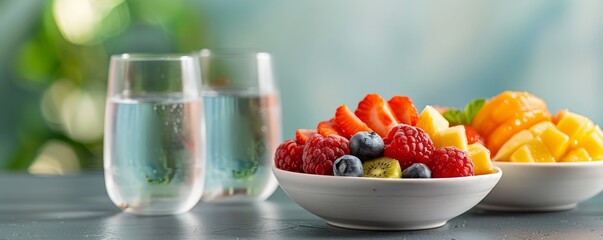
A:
243	125
154	133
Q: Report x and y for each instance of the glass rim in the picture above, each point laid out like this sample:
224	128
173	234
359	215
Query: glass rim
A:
152	57
231	53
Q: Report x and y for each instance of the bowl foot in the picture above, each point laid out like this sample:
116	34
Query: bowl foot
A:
503	208
388	227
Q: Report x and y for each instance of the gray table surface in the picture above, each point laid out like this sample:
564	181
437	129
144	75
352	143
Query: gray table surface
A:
77	207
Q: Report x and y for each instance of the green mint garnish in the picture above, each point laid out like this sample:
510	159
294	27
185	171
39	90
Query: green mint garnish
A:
161	171
455	117
458	117
472	108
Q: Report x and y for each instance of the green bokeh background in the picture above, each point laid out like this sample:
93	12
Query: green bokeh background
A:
326	53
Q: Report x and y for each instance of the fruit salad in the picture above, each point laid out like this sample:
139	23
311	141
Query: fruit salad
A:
388	139
391	139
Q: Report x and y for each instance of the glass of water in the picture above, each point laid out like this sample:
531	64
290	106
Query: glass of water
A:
243	125
154	134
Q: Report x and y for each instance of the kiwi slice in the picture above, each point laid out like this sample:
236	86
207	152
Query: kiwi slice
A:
382	167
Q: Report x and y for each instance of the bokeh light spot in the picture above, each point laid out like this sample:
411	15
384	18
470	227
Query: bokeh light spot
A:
82	116
90	21
55	157
52	101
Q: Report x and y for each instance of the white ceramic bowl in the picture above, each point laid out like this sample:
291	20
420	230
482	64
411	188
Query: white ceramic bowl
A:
385	204
544	186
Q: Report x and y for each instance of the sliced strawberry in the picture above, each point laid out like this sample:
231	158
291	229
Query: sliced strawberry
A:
348	122
404	110
376	113
472	135
327	128
302	135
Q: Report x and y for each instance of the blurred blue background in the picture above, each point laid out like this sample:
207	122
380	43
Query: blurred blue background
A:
54	58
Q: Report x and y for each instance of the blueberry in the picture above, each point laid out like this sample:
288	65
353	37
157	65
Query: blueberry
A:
347	165
366	145
417	170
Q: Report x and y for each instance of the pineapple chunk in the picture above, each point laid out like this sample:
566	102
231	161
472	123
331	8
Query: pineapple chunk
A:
577	155
431	121
480	156
556	141
532	151
512	145
451	137
540	127
593	144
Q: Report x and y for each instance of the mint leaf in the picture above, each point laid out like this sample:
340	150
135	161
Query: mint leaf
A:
455	117
161	171
472	108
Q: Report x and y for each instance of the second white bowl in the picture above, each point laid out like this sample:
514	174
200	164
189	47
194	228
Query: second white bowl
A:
544	186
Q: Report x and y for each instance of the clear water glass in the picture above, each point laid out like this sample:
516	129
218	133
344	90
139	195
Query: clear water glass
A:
154	134
243	120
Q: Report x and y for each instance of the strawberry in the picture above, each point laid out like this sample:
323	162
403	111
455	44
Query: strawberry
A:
327	128
376	113
472	135
404	110
302	135
348	122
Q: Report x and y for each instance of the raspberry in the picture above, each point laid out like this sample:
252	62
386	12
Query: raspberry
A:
408	145
450	162
320	152
288	156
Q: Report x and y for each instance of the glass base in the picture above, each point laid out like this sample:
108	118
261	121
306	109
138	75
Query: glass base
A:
238	195
158	208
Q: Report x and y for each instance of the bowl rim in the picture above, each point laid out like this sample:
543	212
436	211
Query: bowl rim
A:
548	164
497	173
